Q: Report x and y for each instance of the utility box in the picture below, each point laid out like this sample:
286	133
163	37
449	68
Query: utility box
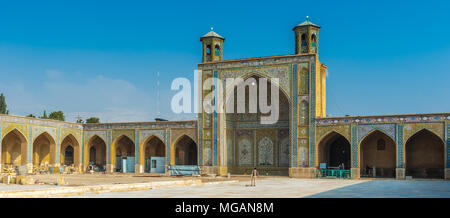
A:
157	165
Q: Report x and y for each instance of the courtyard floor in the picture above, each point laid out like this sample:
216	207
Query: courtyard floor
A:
284	187
267	187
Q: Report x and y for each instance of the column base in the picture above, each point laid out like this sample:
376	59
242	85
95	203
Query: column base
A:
138	169
447	174
30	168
209	170
356	173
109	168
400	173
223	170
166	170
301	172
80	168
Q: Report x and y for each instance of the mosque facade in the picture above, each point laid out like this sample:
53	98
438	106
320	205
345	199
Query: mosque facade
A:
302	140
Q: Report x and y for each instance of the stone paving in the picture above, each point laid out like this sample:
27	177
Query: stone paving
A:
267	187
391	189
284	187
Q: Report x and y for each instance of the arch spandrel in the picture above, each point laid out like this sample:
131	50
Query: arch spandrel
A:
277	71
365	130
38	130
410	129
130	133
9	127
90	134
323	131
76	133
178	133
148	134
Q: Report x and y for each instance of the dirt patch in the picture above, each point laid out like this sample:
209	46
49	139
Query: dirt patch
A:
119	178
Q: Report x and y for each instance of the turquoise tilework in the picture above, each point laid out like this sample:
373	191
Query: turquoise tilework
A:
354	147
294	115
400	146
312	116
30	144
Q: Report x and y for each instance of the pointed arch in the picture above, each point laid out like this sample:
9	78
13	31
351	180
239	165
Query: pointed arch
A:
44	149
14	148
95	152
15	129
152	146
230	88
361	138
425	155
66	156
342	130
334	149
184	151
431	130
124	147
378	150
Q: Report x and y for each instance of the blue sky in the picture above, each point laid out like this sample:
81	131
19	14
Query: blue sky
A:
101	58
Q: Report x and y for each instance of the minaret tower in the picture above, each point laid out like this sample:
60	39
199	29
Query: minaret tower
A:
306	38
212	46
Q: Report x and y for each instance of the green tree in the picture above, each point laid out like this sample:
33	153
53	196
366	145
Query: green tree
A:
44	116
31	115
3	106
93	120
57	115
79	120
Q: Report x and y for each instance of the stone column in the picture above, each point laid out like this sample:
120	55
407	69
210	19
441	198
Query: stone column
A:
400	173
109	168
138	168
355	173
30	150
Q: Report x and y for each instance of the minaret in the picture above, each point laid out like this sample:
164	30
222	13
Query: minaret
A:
306	38
212	46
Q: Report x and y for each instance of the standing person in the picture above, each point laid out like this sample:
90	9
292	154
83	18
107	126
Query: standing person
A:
254	175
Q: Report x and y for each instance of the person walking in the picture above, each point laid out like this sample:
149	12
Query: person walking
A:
254	175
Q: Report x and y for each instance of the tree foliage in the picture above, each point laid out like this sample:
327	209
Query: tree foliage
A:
3	106
44	116
93	120
57	115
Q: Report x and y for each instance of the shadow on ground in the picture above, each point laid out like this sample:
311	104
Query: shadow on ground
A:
390	189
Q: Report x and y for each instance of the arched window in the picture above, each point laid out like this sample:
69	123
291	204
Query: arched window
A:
313	39
92	154
68	155
304	113
217	50
381	145
208	50
304	43
304	79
